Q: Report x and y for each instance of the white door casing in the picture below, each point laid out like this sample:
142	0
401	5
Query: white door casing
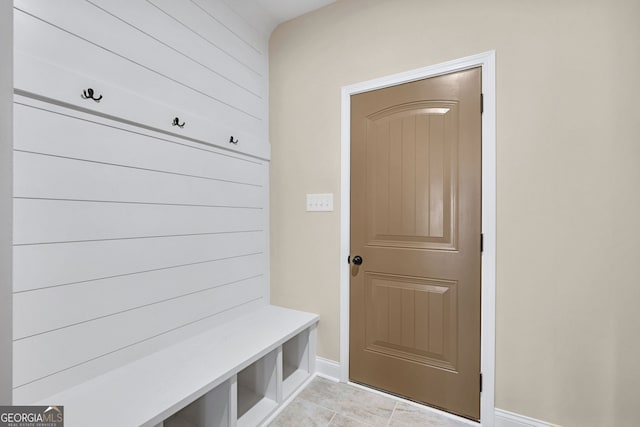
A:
486	60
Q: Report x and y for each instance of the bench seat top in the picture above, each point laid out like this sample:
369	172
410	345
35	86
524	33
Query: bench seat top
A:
149	390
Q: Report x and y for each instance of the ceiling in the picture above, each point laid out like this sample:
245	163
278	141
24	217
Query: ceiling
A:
284	10
265	15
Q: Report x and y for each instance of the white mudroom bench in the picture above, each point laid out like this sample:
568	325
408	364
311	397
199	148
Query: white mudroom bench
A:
235	374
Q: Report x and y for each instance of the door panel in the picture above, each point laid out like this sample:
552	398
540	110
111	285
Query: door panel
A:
415	215
411	318
412	175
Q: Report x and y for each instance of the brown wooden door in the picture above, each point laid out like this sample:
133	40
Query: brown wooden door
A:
415	222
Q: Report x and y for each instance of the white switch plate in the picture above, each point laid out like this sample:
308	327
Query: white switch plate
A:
320	202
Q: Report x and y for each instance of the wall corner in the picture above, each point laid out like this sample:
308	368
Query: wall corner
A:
6	204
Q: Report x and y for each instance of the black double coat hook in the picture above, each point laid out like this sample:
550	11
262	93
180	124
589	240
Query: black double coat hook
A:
88	94
176	122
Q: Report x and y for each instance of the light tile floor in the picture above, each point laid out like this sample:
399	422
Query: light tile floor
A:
326	403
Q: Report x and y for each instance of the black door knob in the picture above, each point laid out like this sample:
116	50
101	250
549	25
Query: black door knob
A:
357	260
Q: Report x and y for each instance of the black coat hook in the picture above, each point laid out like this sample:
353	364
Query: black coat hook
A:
88	94
176	122
232	141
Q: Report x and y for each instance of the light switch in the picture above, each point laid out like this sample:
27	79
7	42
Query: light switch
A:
320	202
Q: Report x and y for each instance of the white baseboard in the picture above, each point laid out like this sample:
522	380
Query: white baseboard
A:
328	368
510	419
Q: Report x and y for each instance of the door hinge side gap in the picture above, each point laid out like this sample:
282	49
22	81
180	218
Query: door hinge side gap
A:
481	103
480	382
481	242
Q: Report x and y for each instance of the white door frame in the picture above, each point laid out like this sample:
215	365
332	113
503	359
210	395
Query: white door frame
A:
487	61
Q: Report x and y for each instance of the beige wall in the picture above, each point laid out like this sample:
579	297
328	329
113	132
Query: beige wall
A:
568	180
6	210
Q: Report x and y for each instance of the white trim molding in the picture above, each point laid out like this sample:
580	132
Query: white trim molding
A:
328	368
487	61
510	419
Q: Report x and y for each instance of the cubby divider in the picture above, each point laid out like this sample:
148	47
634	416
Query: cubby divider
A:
257	390
295	363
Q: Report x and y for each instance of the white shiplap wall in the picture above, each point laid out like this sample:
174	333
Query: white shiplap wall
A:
131	233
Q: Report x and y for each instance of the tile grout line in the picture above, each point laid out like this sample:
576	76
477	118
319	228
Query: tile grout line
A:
341	414
318	405
356	420
392	413
429	416
463	422
336	413
331	420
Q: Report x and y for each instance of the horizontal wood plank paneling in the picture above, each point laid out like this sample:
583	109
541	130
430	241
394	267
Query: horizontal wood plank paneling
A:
104	335
41	39
88	138
53	221
235	23
50	87
48	176
168	24
205	38
131	233
146	50
47	386
256	15
41	266
76	303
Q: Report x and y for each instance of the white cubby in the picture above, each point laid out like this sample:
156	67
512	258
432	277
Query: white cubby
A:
253	393
211	410
295	363
257	390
